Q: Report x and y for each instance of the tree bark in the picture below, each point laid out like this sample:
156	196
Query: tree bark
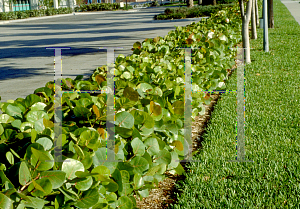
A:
256	13
253	21
245	28
199	2
190	3
270	14
214	2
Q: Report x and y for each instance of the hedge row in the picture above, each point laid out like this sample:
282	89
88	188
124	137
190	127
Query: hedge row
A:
66	10
100	7
33	13
185	12
149	123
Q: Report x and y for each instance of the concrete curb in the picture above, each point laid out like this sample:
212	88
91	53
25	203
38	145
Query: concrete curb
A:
63	15
179	20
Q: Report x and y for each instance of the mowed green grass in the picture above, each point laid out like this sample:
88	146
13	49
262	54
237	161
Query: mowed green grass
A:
272	132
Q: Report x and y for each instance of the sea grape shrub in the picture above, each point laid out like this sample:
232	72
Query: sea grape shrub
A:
149	123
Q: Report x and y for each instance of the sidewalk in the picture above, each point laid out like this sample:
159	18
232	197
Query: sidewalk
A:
294	8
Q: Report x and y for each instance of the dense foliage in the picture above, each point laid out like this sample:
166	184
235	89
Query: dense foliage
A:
33	13
149	123
185	12
100	7
65	10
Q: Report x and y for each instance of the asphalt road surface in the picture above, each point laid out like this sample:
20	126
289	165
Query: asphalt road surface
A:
26	64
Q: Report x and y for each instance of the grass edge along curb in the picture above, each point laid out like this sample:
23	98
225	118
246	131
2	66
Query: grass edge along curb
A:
272	132
86	182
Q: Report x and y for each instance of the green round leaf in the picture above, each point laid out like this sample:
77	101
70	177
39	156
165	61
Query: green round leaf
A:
145	88
152	146
164	156
138	181
85	184
10	157
38	106
16	124
5	118
88	199
139	164
40	187
26	127
91	139
124	120
127	75
45	142
125	203
35	115
41	159
82	112
111	186
24	174
47	91
14	111
57	178
31	99
138	147
70	166
5	202
103	172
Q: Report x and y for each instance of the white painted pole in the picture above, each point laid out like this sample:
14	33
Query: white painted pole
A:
55	2
265	17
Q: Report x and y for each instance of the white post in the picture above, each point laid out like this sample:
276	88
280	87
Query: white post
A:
1	5
55	2
71	4
4	6
265	17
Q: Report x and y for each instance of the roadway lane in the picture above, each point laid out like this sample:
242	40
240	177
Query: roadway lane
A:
26	65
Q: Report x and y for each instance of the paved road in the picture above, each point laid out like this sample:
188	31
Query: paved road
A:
26	65
294	8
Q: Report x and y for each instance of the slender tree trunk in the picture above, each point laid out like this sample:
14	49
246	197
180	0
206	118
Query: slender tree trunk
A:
245	28
199	2
270	14
214	2
253	21
190	3
256	13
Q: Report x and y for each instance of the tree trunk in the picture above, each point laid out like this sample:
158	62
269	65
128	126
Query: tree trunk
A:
199	2
214	2
190	3
253	21
256	13
245	28
270	14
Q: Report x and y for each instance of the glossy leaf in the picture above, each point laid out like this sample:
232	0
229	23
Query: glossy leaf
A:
40	187
45	142
124	120
57	178
85	184
24	174
139	164
138	147
88	199
164	156
70	166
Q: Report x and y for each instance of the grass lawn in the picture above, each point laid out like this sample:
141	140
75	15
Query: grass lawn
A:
272	132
